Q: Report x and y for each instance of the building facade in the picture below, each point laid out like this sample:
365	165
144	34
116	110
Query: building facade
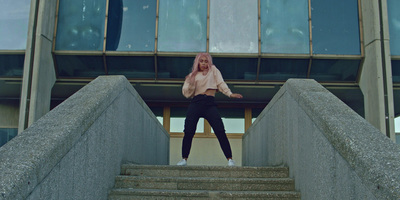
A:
51	49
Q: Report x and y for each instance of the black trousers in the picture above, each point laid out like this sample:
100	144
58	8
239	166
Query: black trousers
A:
204	106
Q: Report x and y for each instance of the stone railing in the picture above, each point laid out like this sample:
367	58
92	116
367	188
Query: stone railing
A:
331	151
76	150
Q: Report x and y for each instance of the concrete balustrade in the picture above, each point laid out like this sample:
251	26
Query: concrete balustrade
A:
331	152
76	150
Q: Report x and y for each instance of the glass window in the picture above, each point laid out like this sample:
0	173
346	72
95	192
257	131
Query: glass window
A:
131	66
396	71
394	26
12	65
234	26
182	25
283	69
335	27
15	16
6	134
233	119
334	70
178	115
80	66
131	25
284	27
174	67
81	25
237	68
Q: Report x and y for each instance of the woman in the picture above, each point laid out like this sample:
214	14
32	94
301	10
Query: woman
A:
201	85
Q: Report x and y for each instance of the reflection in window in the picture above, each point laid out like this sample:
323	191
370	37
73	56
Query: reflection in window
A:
131	25
284	27
233	119
178	115
131	66
237	68
14	17
80	66
335	27
174	67
233	26
394	26
81	25
334	70
12	65
6	134
182	25
283	69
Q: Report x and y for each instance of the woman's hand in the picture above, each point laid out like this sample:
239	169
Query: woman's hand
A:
236	95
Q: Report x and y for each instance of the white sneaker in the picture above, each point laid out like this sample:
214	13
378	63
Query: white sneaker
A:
231	163
183	162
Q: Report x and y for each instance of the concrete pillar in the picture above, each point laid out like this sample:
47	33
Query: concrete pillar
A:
376	76
39	74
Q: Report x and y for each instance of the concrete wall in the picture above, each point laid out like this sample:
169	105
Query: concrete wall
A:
76	150
331	151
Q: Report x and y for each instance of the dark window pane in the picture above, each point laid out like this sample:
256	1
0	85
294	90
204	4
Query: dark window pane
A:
255	112
394	27
14	17
131	66
335	27
80	66
6	134
237	68
11	65
334	70
396	70
81	25
283	69
131	25
174	67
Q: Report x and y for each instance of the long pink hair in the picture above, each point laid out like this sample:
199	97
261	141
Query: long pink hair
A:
195	68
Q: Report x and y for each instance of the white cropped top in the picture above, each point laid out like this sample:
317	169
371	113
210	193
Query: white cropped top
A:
212	80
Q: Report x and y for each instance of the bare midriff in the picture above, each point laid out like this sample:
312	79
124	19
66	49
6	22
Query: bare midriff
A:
210	92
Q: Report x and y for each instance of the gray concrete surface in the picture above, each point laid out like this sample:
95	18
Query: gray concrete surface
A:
76	150
331	152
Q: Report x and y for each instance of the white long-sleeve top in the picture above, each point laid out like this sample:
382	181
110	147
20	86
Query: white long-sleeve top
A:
212	80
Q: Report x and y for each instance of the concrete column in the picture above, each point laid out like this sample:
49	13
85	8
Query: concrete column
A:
39	74
376	76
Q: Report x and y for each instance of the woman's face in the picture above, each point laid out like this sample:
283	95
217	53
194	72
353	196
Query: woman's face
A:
203	63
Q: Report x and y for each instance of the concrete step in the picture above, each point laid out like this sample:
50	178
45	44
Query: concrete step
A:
131	194
203	182
204	171
200	183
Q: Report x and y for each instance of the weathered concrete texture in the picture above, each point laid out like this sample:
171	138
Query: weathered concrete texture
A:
76	150
331	151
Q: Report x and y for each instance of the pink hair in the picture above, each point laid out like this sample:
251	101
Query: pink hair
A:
195	68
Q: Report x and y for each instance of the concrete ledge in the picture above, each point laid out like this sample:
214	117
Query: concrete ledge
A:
82	141
331	151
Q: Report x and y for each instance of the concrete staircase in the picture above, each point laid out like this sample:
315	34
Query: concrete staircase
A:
203	182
